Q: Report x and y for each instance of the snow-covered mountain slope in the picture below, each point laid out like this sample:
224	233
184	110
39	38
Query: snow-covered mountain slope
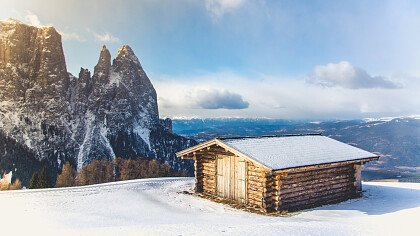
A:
60	117
159	207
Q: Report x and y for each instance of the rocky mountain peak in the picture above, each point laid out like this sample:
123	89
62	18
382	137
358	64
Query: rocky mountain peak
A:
17	39
126	55
12	21
125	51
102	69
60	117
32	61
104	62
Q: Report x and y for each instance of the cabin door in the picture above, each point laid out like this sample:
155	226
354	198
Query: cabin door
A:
231	178
240	179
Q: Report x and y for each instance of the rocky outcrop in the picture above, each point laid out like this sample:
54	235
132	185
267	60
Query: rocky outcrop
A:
60	117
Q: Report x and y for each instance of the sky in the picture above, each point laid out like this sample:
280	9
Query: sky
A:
243	58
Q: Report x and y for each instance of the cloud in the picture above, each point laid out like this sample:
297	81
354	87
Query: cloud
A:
105	37
32	19
280	97
71	36
217	8
27	17
216	99
344	74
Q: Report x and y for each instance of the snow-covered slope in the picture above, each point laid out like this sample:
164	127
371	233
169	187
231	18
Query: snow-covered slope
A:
158	207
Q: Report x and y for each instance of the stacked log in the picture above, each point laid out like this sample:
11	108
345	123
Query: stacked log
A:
358	176
271	192
198	173
256	185
208	165
304	188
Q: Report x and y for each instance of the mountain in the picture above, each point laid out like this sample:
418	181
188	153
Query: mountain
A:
59	117
397	139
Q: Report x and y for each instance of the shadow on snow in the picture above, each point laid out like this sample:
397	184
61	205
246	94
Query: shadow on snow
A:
378	200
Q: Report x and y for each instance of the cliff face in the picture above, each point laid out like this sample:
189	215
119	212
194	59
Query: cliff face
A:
60	117
34	86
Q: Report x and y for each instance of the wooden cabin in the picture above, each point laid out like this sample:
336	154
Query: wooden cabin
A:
277	174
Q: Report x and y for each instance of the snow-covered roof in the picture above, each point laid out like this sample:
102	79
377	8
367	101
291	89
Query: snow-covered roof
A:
290	151
294	151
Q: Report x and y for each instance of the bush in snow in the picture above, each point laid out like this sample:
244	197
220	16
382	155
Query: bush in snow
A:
14	186
67	176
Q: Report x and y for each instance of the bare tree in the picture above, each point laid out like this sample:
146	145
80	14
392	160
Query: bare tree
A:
67	176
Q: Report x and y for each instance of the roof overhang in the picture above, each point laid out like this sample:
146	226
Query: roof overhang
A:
190	153
187	153
324	165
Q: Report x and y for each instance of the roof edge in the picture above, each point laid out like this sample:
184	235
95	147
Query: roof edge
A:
195	148
240	154
220	143
373	158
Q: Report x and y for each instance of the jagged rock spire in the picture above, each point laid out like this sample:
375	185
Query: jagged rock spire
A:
63	118
126	54
102	69
125	50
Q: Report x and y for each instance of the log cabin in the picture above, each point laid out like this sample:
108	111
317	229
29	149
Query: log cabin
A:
277	174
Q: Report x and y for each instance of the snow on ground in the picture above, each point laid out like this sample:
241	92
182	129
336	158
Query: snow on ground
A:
158	207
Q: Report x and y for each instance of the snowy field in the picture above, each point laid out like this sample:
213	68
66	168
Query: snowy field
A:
157	207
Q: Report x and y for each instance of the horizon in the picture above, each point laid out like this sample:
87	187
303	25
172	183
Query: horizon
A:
385	118
251	59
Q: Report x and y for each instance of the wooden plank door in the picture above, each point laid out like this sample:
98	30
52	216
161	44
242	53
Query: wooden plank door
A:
241	180
231	178
220	177
223	176
227	176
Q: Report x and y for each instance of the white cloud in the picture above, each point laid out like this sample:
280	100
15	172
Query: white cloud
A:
344	74
73	36
217	8
27	17
105	37
32	19
289	98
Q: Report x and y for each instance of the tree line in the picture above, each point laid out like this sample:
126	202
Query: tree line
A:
103	171
98	171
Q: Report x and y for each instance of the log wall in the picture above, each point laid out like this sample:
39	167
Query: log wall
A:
301	189
256	185
283	191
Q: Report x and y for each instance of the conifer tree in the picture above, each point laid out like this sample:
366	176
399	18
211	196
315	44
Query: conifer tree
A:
34	181
44	178
40	179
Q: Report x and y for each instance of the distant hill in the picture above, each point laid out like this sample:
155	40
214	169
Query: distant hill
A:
398	139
